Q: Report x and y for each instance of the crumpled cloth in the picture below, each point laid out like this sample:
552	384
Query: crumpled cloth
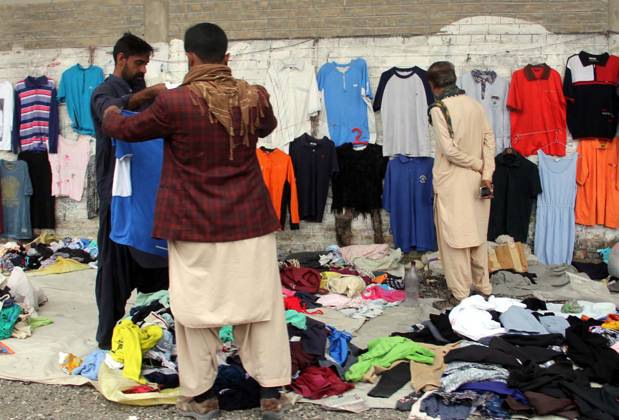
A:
319	382
338	345
376	291
346	285
90	366
129	342
23	289
374	251
460	373
297	319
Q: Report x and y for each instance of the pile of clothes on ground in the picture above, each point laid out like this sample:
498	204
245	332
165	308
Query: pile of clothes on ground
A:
492	357
516	272
19	303
49	255
358	280
499	357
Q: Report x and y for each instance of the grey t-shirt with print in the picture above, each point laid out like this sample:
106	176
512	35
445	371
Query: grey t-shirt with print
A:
16	192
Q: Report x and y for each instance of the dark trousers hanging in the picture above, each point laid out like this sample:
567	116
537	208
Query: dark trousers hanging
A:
42	204
343	226
117	275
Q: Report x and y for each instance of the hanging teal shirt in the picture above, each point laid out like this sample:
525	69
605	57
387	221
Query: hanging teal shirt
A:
76	86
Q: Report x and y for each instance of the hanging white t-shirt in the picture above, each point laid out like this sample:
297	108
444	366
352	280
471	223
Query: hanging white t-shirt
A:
7	103
295	99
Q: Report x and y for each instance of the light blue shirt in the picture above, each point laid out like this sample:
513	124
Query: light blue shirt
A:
344	86
76	86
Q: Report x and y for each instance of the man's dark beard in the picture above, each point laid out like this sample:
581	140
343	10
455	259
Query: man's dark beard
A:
136	81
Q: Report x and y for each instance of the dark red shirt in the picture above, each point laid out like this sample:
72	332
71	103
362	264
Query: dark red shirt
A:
203	195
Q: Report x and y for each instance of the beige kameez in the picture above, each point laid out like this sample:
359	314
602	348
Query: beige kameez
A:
461	216
228	283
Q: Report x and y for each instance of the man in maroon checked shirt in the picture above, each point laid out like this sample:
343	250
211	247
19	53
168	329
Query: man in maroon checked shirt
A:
214	210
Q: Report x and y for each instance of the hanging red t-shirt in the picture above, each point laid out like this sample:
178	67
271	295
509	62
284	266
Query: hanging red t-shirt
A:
537	108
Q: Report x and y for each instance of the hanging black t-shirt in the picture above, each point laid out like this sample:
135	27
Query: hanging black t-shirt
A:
314	162
516	185
359	183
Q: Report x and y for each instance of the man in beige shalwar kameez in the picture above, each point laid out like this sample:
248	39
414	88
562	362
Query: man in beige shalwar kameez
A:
214	209
465	148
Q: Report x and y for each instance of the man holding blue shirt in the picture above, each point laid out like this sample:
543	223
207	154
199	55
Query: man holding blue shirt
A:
121	268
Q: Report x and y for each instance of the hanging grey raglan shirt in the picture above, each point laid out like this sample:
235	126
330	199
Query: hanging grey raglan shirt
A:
403	97
491	90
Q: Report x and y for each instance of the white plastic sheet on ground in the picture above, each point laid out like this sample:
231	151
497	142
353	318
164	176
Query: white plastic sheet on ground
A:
73	309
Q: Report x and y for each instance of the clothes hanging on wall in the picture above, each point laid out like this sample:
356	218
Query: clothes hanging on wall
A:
516	186
278	174
402	97
491	90
597	197
35	120
537	108
555	228
409	198
359	183
7	103
590	85
314	162
345	89
16	193
295	99
42	204
69	167
76	86
134	193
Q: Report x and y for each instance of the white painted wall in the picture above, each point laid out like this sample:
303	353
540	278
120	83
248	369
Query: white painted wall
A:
502	44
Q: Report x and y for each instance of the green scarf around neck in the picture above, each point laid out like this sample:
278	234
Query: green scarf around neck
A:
447	92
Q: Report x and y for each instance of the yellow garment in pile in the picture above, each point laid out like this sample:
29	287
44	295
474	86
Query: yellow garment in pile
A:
345	284
611	325
61	265
129	342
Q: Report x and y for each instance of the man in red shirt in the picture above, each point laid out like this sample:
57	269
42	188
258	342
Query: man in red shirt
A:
214	209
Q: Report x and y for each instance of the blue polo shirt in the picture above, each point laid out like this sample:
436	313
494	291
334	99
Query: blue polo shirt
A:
409	198
344	87
76	86
134	194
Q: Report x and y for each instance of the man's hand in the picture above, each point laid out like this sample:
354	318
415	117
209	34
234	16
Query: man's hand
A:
145	95
111	108
488	184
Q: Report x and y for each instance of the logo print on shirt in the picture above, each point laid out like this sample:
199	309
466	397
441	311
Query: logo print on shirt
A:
423	179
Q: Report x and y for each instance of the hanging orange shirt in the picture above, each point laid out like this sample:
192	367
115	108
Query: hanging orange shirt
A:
597	197
279	178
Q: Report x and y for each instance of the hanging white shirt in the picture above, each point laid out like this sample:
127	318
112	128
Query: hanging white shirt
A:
295	99
7	102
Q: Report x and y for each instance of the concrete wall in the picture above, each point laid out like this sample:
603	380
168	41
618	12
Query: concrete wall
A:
78	23
501	43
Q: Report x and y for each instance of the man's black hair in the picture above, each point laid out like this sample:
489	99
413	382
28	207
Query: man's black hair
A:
130	44
208	41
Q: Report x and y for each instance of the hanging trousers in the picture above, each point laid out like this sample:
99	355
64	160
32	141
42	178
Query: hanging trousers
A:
464	268
343	226
117	275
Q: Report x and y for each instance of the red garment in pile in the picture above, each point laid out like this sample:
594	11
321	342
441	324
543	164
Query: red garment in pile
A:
295	303
319	382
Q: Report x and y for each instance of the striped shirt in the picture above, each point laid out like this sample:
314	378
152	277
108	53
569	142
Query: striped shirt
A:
36	125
